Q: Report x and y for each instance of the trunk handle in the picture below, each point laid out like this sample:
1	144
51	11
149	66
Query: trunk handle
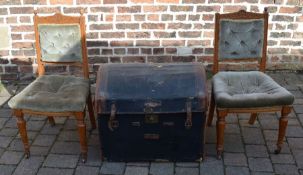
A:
188	123
113	122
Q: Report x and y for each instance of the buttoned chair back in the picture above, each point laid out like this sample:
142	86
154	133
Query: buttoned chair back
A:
240	36
61	40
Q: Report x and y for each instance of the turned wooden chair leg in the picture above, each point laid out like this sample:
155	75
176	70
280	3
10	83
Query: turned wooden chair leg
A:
282	127
22	129
82	134
51	120
91	112
253	118
211	110
220	132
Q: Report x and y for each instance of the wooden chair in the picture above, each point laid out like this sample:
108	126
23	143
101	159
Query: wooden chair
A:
59	40
242	37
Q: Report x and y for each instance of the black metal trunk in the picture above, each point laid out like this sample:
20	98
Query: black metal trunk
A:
151	112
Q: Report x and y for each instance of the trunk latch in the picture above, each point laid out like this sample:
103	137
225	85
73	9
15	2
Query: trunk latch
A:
188	123
113	122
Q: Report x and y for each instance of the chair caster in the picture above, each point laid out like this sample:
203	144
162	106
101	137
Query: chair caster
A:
83	157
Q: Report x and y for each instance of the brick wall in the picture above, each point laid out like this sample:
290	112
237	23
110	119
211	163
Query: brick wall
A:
149	30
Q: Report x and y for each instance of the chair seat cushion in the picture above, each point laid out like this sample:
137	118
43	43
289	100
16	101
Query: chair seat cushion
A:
53	93
248	90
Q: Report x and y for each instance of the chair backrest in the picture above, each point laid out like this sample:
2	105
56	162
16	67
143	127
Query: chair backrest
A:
240	36
61	39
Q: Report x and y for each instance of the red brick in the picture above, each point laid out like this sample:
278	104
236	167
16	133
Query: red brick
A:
97	59
153	26
102	9
183	58
283	18
73	9
170	50
133	59
296	51
39	2
178	8
194	17
154	8
208	34
26	69
93	18
198	50
11	19
209	50
138	35
97	43
115	59
109	18
179	26
280	26
3	61
131	9
290	43
292	26
159	59
23	28
30	36
277	50
114	1
198	43
107	51
254	9
142	1
132	51
158	51
10	2
165	34
299	18
9	76
127	26
3	11
57	2
11	69
112	35
16	36
233	8
93	51
25	19
213	8
146	51
219	1
22	61
119	51
168	1
21	10
22	45
271	1
153	17
193	1
123	18
173	43
298	35
92	35
82	2
293	2
190	34
147	43
180	17
17	52
121	43
166	17
100	26
208	59
48	9
139	17
30	52
290	10
248	1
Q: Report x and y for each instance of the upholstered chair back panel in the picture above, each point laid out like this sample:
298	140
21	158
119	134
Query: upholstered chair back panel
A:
60	43
240	39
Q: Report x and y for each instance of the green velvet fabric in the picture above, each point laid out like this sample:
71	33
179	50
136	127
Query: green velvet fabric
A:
248	90
60	43
53	93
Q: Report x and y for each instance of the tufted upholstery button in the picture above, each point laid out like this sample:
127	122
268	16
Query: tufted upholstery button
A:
241	39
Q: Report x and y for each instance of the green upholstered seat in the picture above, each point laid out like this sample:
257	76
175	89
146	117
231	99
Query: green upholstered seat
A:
53	93
248	90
